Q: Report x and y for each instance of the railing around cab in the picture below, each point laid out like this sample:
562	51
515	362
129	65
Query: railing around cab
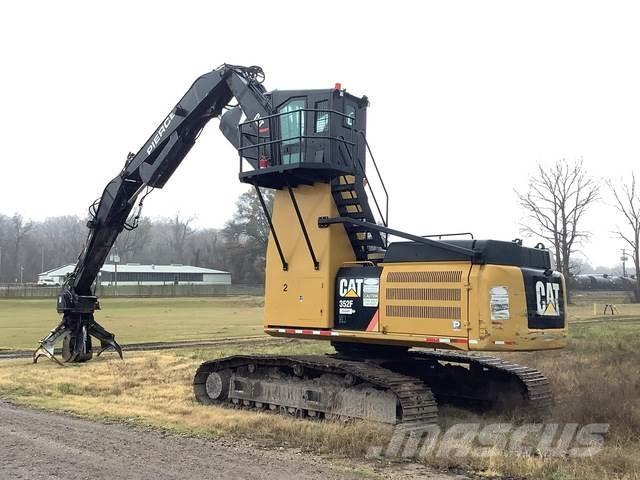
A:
263	139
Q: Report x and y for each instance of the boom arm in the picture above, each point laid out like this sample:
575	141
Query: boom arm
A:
150	168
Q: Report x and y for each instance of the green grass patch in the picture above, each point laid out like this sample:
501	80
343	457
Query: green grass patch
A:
25	321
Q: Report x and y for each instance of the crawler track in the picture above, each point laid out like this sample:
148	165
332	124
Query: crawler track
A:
400	390
485	382
316	386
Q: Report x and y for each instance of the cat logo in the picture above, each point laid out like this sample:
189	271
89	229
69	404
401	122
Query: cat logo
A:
350	287
548	298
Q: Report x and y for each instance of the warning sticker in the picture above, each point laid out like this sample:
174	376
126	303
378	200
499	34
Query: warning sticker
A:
499	301
370	291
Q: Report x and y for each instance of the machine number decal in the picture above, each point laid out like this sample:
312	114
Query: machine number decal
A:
284	287
547	298
499	301
345	307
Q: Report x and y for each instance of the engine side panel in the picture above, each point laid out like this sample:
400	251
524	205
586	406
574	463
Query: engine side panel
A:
427	299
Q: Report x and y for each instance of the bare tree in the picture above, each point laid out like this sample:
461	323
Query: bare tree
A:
627	203
21	229
60	240
556	201
30	247
4	235
179	232
131	242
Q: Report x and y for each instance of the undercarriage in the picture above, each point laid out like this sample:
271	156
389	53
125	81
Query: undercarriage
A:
400	389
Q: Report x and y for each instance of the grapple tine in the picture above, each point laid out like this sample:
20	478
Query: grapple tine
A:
42	351
107	339
47	344
104	346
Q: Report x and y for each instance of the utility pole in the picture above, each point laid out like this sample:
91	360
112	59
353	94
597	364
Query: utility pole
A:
624	258
21	272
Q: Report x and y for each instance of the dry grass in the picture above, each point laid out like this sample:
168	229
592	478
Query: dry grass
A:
596	380
155	389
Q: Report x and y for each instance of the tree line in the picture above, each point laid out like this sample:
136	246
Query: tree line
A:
29	247
556	200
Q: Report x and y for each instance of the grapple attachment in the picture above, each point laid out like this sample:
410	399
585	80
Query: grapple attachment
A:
75	331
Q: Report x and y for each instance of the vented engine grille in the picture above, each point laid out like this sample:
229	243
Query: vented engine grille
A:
425	277
439	297
443	294
423	311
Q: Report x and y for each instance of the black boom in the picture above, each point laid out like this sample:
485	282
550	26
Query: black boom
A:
150	168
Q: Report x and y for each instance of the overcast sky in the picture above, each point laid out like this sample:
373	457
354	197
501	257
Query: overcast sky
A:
466	98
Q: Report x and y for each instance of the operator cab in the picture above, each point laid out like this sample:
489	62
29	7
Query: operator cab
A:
311	136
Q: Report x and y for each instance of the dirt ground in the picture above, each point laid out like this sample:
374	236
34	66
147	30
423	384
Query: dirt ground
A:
43	445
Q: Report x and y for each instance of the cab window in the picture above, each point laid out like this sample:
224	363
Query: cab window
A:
322	117
292	129
350	119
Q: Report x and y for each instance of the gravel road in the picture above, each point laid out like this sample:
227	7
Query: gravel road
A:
43	445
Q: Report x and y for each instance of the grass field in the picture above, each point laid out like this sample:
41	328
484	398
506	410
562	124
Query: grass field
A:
25	321
595	379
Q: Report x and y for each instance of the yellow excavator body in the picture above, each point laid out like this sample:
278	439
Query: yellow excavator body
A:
450	305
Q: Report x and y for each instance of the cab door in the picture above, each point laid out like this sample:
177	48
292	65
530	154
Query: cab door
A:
292	131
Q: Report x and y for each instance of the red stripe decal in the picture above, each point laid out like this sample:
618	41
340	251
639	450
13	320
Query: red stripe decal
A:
432	340
303	332
459	340
373	324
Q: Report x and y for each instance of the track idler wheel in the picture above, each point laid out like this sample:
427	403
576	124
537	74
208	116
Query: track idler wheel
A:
217	385
213	386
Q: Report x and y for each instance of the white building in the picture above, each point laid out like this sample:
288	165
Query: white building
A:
137	274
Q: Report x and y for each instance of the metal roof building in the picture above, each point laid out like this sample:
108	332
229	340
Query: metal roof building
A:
137	274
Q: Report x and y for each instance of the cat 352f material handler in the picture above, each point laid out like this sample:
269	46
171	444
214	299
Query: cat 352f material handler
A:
404	317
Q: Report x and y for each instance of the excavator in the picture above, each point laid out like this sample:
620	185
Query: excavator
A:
407	315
